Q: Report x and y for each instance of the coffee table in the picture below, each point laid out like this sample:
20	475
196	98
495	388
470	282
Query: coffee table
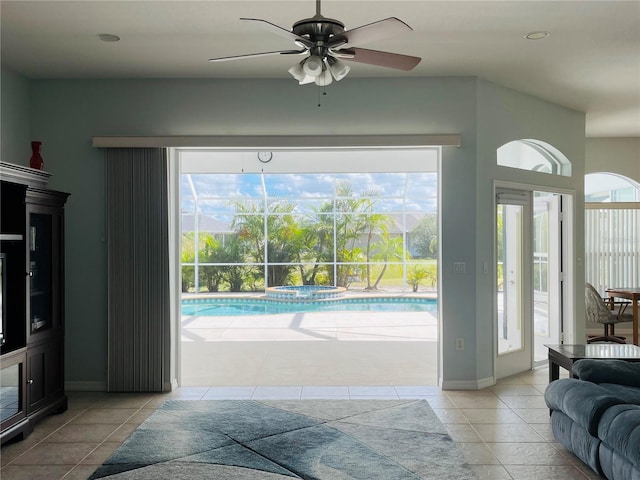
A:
564	355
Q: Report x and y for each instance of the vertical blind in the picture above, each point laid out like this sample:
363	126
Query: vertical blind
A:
612	245
138	269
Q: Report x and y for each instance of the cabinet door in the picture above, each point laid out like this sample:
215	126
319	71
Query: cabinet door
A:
12	395
44	289
45	378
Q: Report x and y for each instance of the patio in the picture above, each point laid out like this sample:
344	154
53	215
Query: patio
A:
311	348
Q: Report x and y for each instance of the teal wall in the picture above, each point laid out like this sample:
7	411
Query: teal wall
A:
66	114
15	124
505	115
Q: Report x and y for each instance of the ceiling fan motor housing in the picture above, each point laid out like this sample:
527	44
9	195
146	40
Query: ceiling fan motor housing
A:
319	30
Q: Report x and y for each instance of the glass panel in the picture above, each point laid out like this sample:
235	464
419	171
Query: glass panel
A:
510	278
374	184
9	392
288	186
311	221
547	312
422	185
541	266
609	187
422	235
225	185
612	246
422	276
210	206
40	271
535	156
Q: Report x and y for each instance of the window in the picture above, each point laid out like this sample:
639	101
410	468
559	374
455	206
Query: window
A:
612	231
534	156
248	231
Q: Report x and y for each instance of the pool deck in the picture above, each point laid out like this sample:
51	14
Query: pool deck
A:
311	348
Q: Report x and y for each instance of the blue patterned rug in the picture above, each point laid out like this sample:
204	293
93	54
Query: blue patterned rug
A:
278	440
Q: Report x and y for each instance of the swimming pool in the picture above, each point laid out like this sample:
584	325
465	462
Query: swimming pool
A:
219	307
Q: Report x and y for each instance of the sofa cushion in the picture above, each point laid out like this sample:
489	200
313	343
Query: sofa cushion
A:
620	372
583	402
619	428
615	466
623	392
576	439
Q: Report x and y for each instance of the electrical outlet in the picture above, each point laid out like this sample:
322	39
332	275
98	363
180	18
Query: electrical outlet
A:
459	343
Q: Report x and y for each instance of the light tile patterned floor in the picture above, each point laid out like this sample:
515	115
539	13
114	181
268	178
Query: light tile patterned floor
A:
503	430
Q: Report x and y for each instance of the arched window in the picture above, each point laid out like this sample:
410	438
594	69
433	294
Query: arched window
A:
610	187
535	156
612	230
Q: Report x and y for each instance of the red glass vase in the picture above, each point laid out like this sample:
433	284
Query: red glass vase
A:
36	159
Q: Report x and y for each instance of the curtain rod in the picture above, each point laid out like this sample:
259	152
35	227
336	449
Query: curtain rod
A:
279	141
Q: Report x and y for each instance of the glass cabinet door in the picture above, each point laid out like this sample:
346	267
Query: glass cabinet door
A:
40	272
12	399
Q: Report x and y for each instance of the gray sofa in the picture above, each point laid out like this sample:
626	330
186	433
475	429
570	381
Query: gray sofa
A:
596	415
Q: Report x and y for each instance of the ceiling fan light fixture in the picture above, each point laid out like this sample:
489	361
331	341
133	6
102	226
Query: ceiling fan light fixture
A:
313	66
297	72
338	69
324	78
307	79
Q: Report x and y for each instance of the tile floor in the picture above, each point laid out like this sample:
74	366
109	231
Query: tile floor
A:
503	430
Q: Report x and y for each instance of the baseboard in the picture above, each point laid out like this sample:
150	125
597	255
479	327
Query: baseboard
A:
85	386
467	384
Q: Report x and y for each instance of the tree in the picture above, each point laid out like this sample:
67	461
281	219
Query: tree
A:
388	249
416	276
425	237
419	274
376	224
188	255
283	237
316	237
209	252
235	273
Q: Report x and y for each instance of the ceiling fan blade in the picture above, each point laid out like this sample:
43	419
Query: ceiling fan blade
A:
382	59
283	32
254	55
369	33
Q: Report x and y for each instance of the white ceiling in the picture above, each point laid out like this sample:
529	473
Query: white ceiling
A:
590	62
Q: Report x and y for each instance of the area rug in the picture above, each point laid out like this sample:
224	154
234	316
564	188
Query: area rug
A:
284	439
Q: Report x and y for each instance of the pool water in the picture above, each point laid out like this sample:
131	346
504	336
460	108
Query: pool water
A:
219	307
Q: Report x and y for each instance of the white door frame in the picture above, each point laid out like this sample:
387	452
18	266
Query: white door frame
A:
569	327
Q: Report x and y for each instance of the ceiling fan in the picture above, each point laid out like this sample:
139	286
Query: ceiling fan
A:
325	43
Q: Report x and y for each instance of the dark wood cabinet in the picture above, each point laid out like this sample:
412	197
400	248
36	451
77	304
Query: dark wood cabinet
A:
32	350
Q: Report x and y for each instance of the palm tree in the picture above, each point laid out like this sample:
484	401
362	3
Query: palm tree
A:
282	236
388	249
375	224
316	236
209	252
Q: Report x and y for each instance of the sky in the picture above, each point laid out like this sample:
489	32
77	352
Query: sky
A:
418	190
